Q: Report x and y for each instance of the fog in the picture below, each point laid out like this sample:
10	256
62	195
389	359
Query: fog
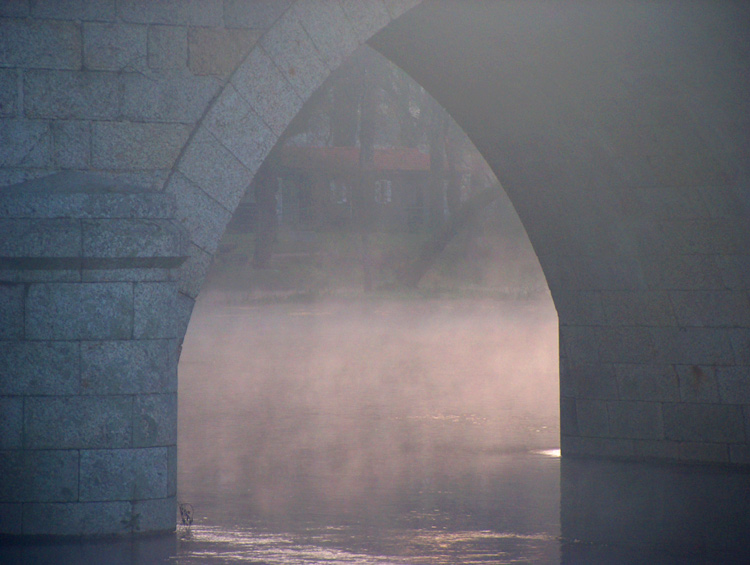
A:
339	405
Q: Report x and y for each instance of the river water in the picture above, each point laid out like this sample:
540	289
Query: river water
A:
406	431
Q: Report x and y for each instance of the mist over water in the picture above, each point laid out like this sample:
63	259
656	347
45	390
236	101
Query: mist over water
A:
373	423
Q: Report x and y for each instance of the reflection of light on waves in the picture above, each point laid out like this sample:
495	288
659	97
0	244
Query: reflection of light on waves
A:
548	452
242	546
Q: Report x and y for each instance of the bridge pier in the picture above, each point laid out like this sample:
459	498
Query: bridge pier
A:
88	365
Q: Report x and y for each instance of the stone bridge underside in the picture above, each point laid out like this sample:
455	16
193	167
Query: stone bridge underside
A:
130	129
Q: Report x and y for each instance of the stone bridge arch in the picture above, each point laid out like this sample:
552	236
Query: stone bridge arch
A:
618	129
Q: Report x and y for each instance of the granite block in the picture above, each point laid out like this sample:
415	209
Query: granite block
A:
131	239
155	315
39	368
175	12
40	238
128	145
192	272
25	143
329	28
158	515
155	420
698	383
76	519
125	367
114	46
218	51
647	382
398	7
11	422
170	96
11	518
586	380
583	308
214	169
236	126
9	104
65	95
62	311
75	422
682	271
202	217
695	346
86	10
290	48
711	308
635	419
270	94
123	474
254	14
638	308
704	423
172	470
734	384
40	44
704	452
592	417
167	47
71	144
11	311
39	476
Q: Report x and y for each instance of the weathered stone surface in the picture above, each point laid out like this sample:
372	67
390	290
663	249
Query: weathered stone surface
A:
740	339
40	44
71	144
580	344
172	96
319	17
11	311
124	367
638	308
203	217
155	420
598	446
367	16
584	308
114	47
45	475
25	143
167	47
703	422
213	168
131	238
735	271
704	452
653	449
11	517
79	311
291	50
8	92
172	470
176	12
585	380
682	272
193	271
184	309
218	51
123	474
74	9
647	382
75	519
262	84
11	422
127	275
127	145
734	384
20	8
34	238
240	129
592	417
157	515
711	309
697	383
399	7
254	14
635	419
75	422
698	346
66	95
154	315
39	368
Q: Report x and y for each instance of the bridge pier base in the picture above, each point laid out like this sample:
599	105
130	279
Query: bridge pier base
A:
88	358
